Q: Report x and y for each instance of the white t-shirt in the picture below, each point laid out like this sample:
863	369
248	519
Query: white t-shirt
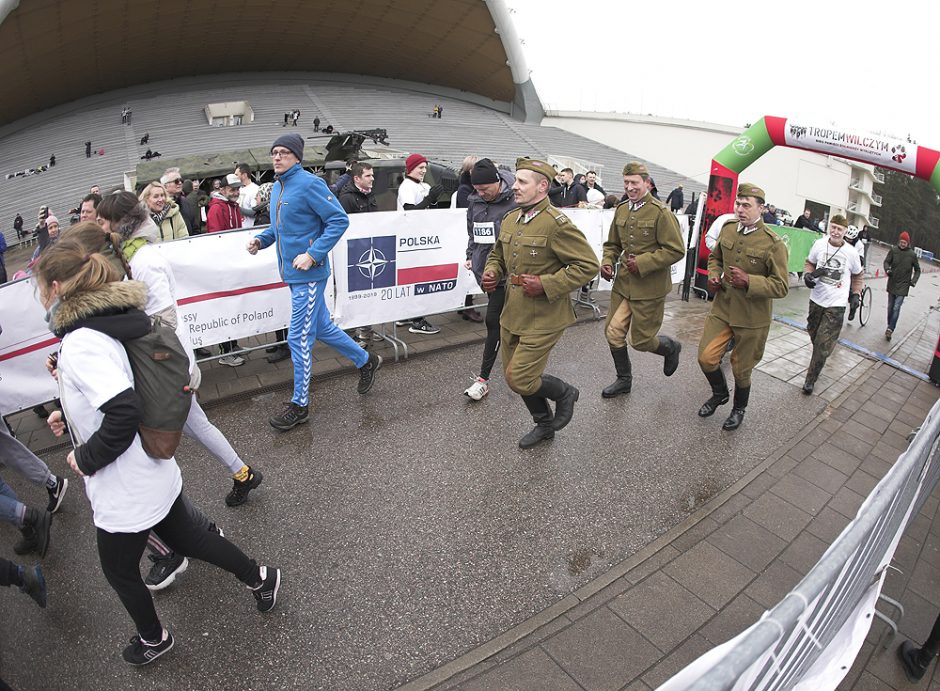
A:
135	492
412	192
246	198
832	288
149	266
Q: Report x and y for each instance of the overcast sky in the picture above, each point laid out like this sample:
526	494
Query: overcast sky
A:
861	65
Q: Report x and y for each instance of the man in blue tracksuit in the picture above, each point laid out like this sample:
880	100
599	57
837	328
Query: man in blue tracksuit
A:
306	222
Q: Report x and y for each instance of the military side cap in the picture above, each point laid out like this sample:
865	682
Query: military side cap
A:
533	164
746	189
840	220
635	168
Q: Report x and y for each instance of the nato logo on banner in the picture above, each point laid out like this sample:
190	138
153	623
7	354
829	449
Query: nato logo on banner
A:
371	263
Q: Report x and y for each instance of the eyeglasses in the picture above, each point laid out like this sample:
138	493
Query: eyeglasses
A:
178	181
281	153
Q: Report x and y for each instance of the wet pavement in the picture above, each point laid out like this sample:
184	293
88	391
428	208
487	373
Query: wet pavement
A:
409	526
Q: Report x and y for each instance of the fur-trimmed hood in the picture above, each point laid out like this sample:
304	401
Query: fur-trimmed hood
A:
115	309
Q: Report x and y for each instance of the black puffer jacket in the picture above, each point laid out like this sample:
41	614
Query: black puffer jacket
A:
356	201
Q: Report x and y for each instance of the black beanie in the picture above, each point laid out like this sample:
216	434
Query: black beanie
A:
293	143
483	172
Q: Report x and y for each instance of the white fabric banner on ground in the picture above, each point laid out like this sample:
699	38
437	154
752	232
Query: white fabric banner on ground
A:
399	265
25	344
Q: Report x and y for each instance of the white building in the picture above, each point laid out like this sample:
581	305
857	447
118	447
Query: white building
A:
793	179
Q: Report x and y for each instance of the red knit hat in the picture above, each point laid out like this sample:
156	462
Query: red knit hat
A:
413	162
904	236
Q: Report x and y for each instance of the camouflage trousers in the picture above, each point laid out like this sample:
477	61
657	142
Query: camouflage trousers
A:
824	325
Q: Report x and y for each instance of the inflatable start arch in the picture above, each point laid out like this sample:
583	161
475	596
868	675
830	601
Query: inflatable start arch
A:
770	131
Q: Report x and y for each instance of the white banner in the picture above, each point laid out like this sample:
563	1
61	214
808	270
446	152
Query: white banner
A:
863	146
399	265
388	266
25	344
224	293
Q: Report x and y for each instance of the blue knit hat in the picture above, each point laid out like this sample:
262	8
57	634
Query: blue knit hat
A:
293	143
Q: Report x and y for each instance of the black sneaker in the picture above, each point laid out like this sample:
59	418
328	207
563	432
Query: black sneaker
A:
367	373
165	569
423	326
239	493
140	652
292	416
34	585
57	494
35	532
279	353
266	593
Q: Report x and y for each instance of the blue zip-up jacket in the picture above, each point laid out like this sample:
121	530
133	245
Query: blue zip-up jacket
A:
305	217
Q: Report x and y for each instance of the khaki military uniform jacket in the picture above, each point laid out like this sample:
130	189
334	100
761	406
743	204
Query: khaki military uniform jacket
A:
763	256
652	234
550	246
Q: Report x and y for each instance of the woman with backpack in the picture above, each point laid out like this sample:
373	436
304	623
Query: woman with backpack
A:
129	229
93	312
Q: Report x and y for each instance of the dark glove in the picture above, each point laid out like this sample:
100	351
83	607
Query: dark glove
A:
435	192
853	301
809	279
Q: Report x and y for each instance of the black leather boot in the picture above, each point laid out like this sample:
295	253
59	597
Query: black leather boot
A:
564	395
542	416
669	349
719	393
624	381
741	394
912	659
35	532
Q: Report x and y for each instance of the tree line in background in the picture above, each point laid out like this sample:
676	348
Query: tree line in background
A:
911	204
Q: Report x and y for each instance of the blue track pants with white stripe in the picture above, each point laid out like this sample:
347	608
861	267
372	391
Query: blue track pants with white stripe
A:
309	322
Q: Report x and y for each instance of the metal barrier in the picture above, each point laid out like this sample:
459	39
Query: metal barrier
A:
797	638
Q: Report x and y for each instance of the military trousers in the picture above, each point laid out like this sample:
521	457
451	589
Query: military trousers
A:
634	322
824	324
524	359
748	348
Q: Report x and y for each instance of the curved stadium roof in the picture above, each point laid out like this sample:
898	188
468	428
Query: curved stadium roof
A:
58	51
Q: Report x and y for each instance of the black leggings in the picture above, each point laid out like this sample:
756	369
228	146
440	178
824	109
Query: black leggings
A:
120	557
491	347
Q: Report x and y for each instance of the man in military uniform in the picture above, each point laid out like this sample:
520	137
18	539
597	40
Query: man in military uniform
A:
544	257
747	269
645	241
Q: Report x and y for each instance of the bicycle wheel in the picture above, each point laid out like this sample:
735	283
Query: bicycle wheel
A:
864	308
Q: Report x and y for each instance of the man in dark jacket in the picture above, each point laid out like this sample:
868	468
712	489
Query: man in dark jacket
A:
903	271
491	199
589	182
568	194
356	195
805	221
676	199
